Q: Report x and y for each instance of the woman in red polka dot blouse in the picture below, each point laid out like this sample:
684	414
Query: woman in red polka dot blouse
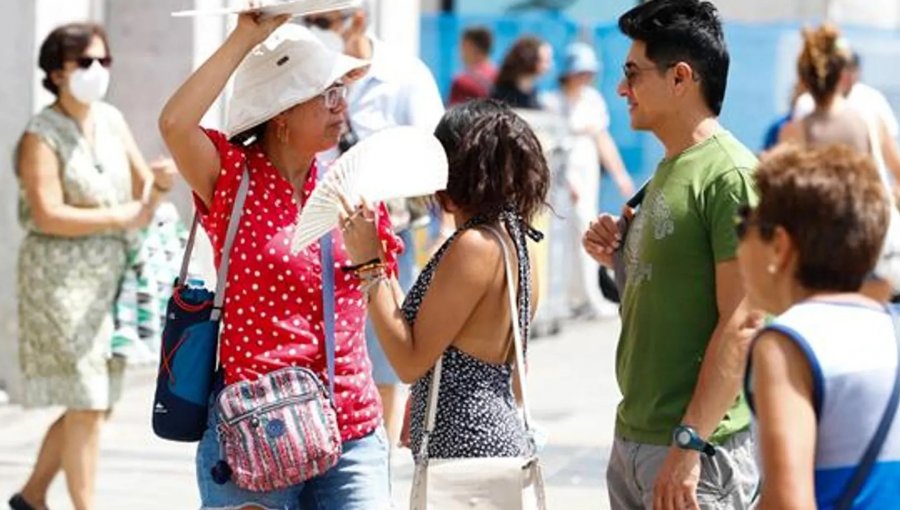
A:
288	104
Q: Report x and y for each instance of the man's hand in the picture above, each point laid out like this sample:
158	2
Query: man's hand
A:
676	484
602	237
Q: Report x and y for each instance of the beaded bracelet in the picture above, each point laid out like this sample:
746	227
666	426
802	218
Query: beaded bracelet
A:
370	280
368	270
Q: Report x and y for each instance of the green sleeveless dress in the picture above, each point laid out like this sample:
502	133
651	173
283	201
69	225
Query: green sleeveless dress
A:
67	286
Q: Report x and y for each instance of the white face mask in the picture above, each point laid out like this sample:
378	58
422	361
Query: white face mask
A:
89	85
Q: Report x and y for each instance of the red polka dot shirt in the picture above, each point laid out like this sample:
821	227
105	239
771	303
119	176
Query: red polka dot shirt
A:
273	300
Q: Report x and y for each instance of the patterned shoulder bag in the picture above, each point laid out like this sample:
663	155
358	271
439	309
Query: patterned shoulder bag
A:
281	429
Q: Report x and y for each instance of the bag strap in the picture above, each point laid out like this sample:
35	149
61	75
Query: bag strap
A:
233	224
638	197
519	355
328	307
854	486
326	249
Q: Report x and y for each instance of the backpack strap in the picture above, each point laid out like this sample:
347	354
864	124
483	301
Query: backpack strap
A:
222	273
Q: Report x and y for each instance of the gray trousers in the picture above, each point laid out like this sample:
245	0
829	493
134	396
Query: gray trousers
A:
728	480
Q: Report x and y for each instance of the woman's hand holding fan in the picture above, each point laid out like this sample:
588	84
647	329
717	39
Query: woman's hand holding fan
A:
400	162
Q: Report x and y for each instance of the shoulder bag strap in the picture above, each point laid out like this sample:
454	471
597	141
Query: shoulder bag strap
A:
188	250
874	449
326	250
431	410
328	307
638	197
514	313
222	273
233	224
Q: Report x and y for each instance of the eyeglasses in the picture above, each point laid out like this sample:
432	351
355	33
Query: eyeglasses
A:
334	95
744	220
631	71
86	62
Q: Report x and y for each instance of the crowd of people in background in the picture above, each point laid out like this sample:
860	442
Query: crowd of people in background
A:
782	268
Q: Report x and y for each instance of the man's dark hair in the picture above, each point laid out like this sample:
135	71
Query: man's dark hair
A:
481	37
683	31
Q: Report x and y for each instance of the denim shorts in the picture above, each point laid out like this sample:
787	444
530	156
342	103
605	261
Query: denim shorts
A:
359	481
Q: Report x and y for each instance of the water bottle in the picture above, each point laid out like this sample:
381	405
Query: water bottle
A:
195	282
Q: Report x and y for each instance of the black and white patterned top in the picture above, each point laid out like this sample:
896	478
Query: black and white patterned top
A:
477	414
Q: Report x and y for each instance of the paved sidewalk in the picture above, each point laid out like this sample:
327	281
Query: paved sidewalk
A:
572	388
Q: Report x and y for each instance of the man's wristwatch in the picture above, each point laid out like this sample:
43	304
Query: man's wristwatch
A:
686	438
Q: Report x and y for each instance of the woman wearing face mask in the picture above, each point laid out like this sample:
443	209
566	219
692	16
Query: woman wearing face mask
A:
288	104
83	185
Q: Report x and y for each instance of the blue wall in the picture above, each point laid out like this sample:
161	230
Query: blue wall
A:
762	72
586	11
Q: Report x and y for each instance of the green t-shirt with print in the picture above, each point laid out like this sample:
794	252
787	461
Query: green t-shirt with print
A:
685	226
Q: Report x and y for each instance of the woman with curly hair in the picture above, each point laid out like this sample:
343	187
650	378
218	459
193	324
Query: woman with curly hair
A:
821	68
458	310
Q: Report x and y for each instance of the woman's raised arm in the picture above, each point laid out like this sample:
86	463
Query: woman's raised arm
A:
179	122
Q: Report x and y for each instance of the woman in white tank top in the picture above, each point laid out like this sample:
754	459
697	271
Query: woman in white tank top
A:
820	374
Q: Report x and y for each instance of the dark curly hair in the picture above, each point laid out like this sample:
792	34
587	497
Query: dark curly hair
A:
833	204
496	161
683	31
65	43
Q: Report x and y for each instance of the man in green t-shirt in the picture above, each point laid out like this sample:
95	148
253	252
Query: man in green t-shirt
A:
685	329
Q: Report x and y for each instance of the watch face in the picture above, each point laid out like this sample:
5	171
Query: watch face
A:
683	437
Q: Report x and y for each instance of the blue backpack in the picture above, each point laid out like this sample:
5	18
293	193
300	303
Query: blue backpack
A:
190	341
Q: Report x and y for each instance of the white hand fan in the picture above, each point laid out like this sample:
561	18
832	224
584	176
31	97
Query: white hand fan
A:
399	162
273	8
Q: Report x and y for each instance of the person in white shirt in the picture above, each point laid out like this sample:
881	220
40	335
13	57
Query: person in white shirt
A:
590	145
397	90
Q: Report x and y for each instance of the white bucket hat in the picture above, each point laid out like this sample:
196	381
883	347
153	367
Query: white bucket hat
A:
290	67
580	58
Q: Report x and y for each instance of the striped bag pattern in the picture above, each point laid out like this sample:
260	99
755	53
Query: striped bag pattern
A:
279	430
